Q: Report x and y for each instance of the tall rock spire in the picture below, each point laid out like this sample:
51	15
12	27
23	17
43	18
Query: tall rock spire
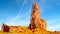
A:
35	17
35	10
35	21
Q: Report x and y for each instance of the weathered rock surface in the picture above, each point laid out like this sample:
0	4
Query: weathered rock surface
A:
36	26
5	28
36	21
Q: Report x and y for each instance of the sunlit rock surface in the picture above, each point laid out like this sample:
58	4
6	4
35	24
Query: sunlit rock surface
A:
35	20
36	26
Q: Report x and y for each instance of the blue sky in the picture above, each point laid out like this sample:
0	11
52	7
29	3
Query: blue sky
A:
17	12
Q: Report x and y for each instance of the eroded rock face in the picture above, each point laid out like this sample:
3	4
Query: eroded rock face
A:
5	28
43	23
16	29
35	21
37	25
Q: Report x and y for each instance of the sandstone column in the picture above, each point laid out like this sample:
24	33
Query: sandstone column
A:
35	20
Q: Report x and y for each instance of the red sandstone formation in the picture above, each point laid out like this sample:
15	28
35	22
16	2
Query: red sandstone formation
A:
5	28
37	25
36	21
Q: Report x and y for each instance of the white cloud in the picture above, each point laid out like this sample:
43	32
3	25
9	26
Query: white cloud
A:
21	7
55	19
17	20
19	15
14	20
55	27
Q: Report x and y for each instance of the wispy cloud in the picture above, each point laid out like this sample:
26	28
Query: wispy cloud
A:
18	1
21	8
53	27
13	20
17	20
55	19
0	24
19	15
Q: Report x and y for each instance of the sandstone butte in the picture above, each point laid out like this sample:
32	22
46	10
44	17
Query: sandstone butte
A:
36	26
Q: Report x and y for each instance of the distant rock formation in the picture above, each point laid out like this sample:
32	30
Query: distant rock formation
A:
36	21
5	28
